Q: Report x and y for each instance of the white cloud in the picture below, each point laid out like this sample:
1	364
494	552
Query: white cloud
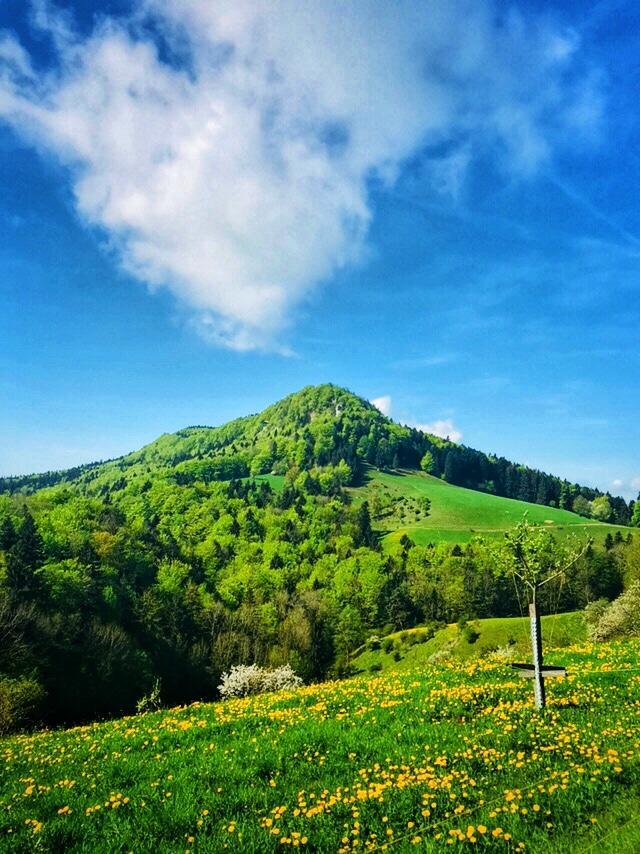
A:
238	177
383	404
444	428
627	487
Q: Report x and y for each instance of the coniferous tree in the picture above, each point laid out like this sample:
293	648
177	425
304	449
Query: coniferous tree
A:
7	533
24	558
450	467
365	534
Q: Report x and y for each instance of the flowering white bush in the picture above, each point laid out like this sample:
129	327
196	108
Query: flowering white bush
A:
245	679
621	619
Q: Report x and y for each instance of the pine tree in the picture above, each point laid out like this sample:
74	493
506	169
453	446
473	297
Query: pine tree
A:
450	467
542	496
24	558
365	535
7	534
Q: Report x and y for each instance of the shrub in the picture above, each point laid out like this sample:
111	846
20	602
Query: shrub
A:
373	642
19	699
342	667
387	645
150	702
470	634
375	667
245	679
396	655
594	611
621	618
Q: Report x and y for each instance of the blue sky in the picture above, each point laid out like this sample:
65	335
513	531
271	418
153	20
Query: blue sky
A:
203	211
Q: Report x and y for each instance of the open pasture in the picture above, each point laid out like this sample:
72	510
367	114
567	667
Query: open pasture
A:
457	514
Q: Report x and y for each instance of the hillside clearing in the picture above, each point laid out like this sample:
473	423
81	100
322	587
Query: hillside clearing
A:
457	514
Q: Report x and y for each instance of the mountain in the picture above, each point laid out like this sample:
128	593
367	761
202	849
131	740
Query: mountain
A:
284	537
317	426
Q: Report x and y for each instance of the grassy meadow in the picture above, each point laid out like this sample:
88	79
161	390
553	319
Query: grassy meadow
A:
450	755
457	514
417	647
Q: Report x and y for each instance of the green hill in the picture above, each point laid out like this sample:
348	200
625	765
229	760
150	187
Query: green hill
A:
456	514
252	542
323	426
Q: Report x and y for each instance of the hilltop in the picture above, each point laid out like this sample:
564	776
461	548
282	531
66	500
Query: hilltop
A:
318	426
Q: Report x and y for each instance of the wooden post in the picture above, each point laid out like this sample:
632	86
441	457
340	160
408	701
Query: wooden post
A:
536	648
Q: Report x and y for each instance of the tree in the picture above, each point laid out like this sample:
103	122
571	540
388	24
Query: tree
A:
364	535
428	464
349	631
532	555
450	467
635	515
524	490
542	496
7	533
601	508
582	506
24	558
564	500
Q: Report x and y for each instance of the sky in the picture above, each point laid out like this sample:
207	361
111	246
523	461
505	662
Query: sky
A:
205	207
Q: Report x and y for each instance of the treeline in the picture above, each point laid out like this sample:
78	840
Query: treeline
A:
101	595
30	483
464	466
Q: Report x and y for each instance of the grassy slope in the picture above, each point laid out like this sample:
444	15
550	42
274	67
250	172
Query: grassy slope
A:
497	632
407	757
457	514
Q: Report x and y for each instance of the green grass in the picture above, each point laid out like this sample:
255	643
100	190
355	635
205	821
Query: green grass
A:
417	648
408	759
275	481
457	514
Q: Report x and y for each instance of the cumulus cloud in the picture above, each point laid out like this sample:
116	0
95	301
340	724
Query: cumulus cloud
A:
628	487
226	149
383	404
445	428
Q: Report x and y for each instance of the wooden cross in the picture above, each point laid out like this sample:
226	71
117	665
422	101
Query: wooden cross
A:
537	671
